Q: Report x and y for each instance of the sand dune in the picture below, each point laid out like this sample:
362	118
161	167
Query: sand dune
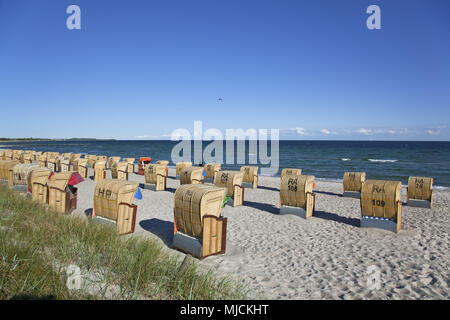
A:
324	257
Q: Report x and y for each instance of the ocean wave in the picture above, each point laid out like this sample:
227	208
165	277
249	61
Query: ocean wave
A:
381	160
346	159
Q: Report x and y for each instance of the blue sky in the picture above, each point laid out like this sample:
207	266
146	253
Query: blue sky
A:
140	69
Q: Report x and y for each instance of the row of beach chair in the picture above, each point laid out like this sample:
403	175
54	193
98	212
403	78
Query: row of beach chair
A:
199	228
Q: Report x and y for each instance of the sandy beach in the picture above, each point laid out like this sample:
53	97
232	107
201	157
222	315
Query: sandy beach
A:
324	257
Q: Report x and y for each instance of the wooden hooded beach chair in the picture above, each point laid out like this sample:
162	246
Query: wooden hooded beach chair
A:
352	184
19	175
155	177
297	195
250	177
54	163
420	192
80	165
112	160
130	166
5	167
37	184
143	162
165	163
380	205
198	227
61	196
8	154
210	170
119	170
99	170
113	203
191	175
232	182
181	165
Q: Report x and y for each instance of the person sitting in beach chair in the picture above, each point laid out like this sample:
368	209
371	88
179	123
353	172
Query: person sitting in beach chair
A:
113	203
250	177
297	195
420	192
380	205
232	182
199	229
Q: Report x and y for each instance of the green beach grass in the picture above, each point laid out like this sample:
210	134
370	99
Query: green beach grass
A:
37	245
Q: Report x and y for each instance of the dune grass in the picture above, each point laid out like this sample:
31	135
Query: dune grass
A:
37	245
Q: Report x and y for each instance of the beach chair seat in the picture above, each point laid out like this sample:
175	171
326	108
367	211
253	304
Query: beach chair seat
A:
54	163
250	177
8	154
210	171
113	203
232	182
181	165
191	175
155	177
352	184
17	155
297	195
74	157
199	229
420	192
380	205
28	156
91	158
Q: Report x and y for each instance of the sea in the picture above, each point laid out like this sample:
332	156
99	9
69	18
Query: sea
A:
390	160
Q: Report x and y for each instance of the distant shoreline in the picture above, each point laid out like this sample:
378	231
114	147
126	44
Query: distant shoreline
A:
44	139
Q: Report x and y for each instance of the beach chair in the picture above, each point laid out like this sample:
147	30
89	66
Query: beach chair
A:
380	205
113	203
99	170
181	165
155	177
119	170
130	167
65	164
61	196
42	160
17	155
199	229
81	166
91	158
291	171
164	163
2	155
74	157
250	177
54	163
420	192
297	195
28	156
191	175
143	161
112	160
210	170
232	182
19	176
38	185
8	154
352	184
5	167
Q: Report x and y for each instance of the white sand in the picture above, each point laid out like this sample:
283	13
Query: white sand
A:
324	257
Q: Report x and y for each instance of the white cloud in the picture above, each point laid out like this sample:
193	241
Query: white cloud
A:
300	131
147	136
325	131
365	131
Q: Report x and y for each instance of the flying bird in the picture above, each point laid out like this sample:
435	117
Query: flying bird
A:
220	99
